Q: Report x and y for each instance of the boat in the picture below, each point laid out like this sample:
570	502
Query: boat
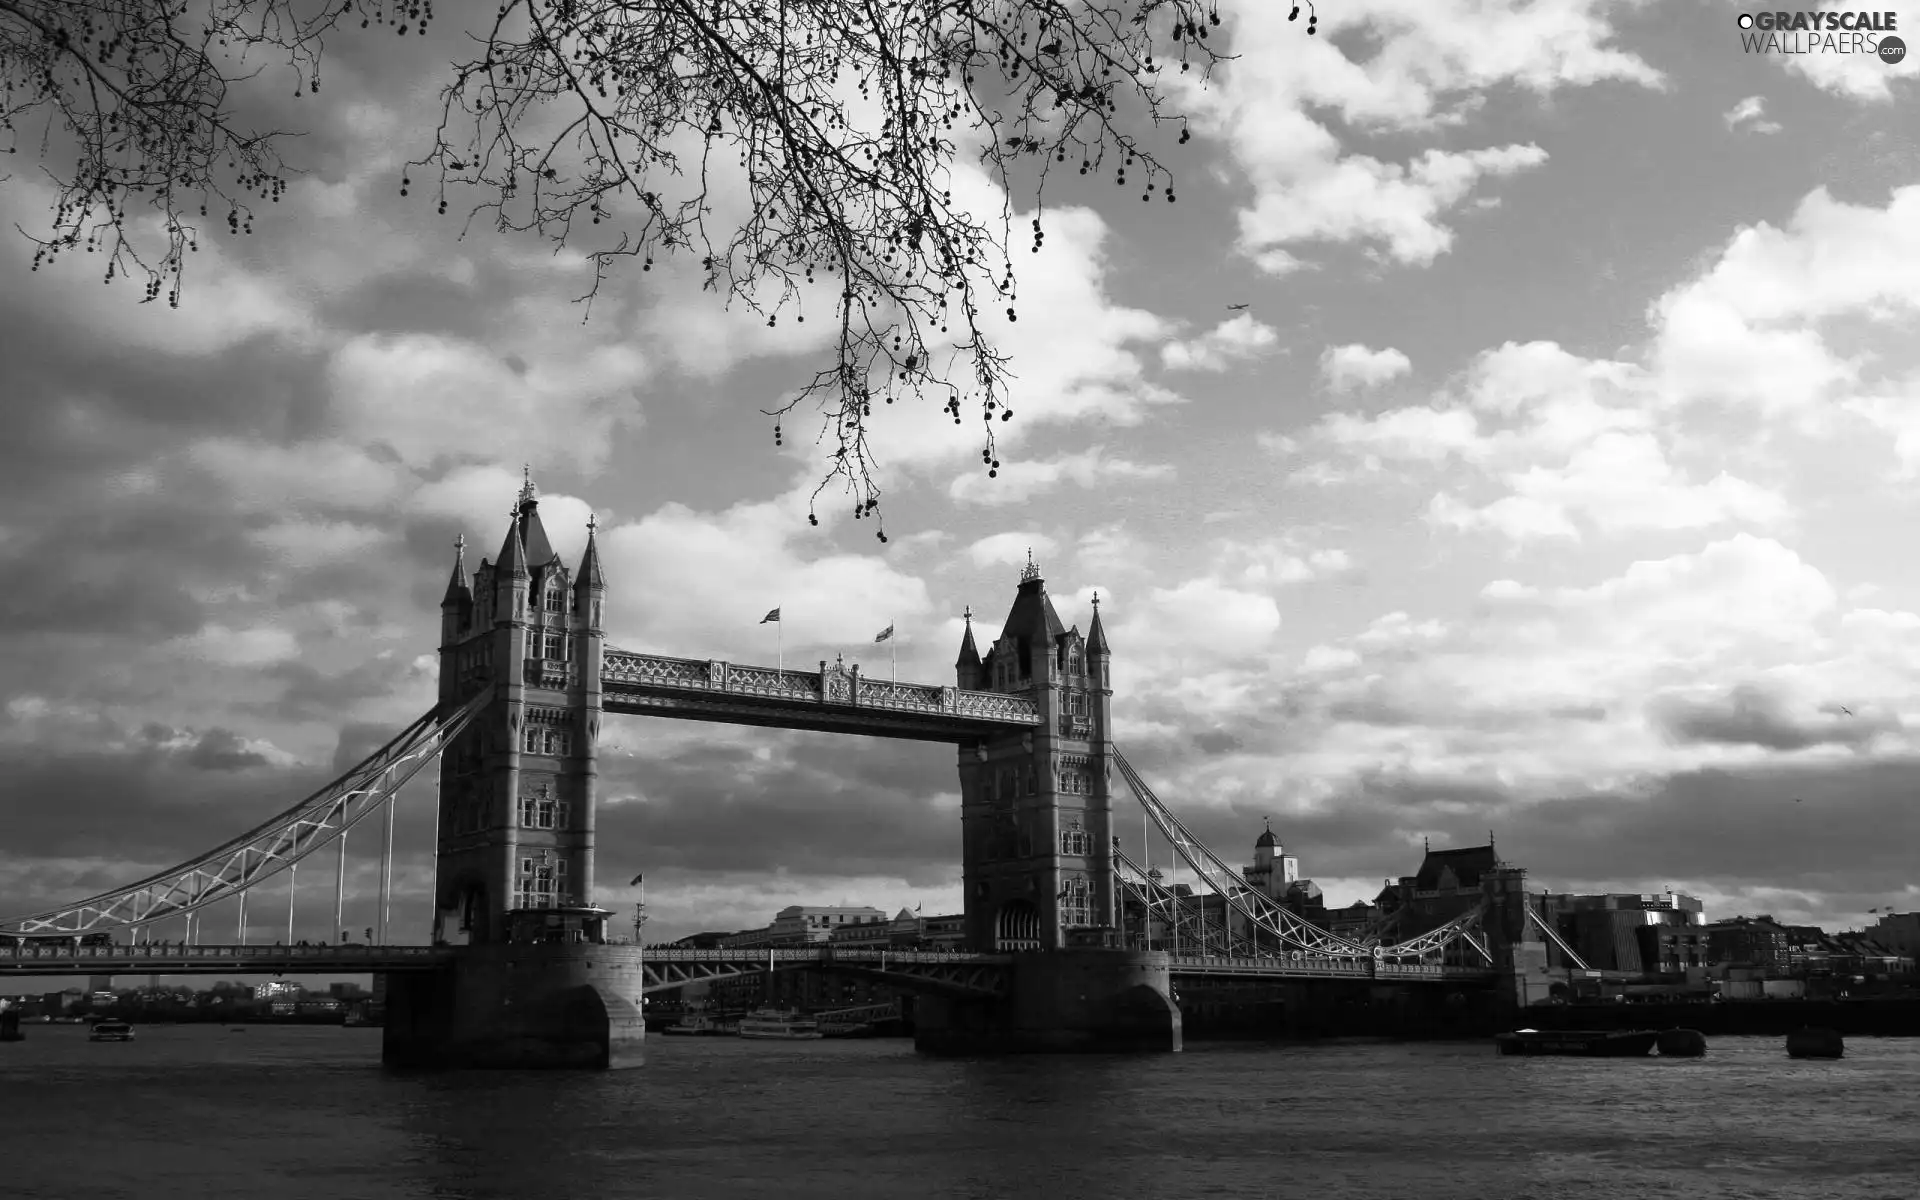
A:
1808	1042
10	1026
1579	1043
699	1024
1682	1043
778	1023
111	1031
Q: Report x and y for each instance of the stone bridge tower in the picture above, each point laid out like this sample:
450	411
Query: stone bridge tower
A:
517	788
1036	816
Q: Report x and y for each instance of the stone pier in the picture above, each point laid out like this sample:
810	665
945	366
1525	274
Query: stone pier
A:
1101	1001
520	1006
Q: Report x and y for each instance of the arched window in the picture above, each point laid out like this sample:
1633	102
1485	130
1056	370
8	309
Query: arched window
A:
556	599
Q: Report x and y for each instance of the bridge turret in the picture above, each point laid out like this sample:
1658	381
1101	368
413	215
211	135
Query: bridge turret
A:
969	674
456	616
589	639
1098	656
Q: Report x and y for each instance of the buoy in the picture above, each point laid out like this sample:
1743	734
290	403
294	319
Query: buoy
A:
1809	1042
1681	1043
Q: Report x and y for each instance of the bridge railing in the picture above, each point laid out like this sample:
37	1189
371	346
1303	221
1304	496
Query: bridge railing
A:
1318	966
816	954
158	952
813	687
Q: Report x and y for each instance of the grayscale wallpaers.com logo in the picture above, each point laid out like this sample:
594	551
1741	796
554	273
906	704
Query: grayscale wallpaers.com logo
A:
1870	33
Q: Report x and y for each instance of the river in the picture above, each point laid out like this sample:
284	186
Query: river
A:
292	1113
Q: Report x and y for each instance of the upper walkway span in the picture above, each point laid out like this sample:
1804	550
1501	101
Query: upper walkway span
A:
834	699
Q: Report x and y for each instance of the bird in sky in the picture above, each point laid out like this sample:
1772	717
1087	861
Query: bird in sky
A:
1796	799
1235	307
1846	710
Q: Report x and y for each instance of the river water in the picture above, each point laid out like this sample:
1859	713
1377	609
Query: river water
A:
291	1113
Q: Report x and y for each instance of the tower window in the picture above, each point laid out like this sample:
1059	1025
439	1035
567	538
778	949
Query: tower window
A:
556	647
556	602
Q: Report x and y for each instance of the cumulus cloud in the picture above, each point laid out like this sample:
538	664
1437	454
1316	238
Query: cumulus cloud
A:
1749	114
1387	66
1020	480
1346	368
1227	343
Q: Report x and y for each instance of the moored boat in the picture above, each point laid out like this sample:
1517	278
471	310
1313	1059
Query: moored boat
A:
1681	1043
699	1024
1815	1043
778	1023
111	1031
1579	1043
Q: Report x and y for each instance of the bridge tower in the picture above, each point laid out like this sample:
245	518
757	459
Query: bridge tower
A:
1036	815
517	789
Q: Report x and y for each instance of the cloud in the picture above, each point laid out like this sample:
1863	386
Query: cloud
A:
1428	66
1010	549
1346	368
1748	114
1750	715
1018	481
405	392
1227	343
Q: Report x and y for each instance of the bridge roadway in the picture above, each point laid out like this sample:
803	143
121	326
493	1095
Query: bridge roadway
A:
671	967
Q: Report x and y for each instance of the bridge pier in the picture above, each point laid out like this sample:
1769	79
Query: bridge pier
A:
1063	1001
520	1006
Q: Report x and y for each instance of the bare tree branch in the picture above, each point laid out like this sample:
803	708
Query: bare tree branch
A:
842	119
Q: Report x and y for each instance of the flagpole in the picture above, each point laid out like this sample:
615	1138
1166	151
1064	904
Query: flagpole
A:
780	647
893	653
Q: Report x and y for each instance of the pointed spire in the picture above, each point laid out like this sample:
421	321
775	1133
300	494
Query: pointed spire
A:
590	576
969	653
457	591
513	557
1096	633
539	551
1030	572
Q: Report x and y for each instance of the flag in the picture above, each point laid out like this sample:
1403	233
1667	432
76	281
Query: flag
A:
636	880
916	908
772	616
884	634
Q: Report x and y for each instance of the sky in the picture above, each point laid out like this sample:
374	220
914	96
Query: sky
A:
1553	483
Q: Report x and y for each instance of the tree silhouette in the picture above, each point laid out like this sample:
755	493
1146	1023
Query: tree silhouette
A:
841	120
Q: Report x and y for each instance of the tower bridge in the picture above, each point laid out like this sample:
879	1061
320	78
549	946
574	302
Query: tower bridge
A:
522	968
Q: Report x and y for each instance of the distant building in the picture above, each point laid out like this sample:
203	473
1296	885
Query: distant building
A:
1750	942
873	933
1447	884
1898	932
1865	954
1673	949
1604	928
802	925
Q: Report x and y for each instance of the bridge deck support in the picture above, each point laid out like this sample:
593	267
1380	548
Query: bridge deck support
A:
520	1006
1060	1001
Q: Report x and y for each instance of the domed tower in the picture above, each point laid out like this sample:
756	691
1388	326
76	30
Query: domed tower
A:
1036	818
517	788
